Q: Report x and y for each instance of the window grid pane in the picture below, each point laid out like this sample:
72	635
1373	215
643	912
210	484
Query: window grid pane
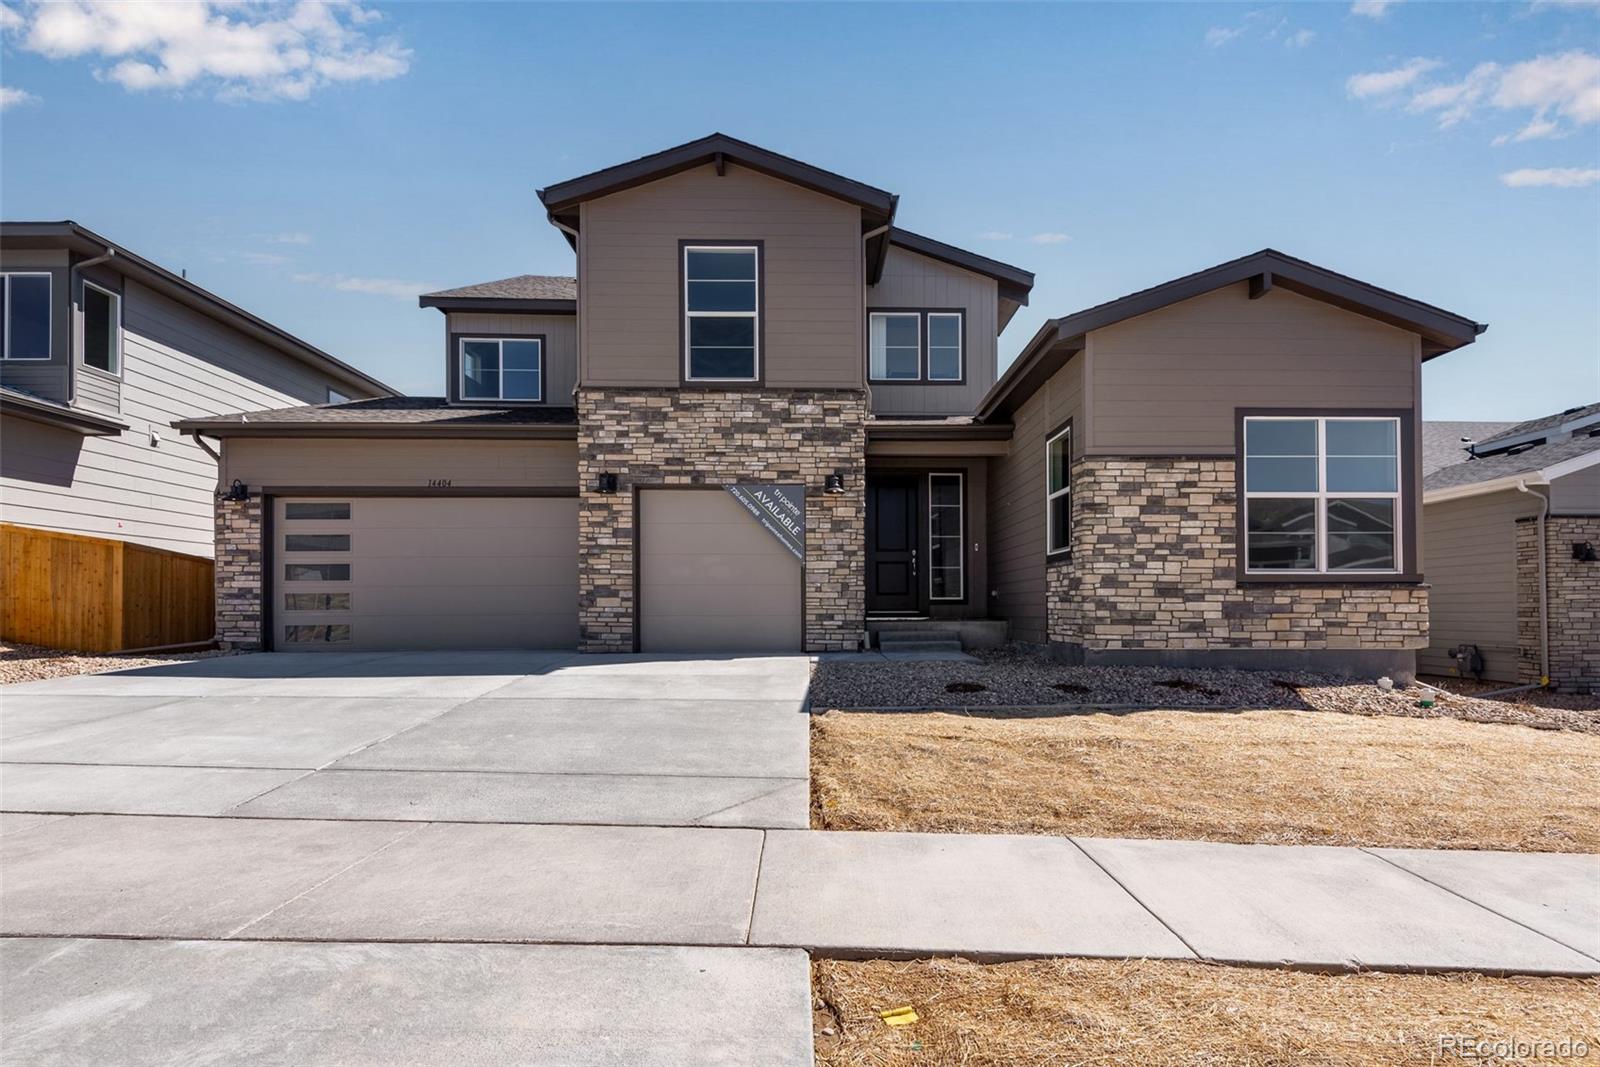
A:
946	561
721	301
944	347
1058	496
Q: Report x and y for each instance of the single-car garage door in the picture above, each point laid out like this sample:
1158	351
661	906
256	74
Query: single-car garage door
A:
361	573
711	579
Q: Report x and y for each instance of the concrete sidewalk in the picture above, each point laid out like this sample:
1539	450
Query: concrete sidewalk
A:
842	894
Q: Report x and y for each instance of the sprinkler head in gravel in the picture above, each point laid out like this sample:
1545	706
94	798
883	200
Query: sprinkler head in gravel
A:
965	687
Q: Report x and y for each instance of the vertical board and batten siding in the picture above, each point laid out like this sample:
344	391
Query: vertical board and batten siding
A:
177	363
50	378
1577	493
98	595
404	464
1472	572
915	281
1167	382
560	334
630	310
1016	502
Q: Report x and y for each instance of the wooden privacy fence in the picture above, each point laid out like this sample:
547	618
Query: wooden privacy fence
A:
92	594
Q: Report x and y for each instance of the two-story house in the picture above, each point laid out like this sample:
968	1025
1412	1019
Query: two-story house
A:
763	416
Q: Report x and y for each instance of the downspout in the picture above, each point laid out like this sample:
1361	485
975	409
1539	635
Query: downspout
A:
865	341
1544	596
72	373
572	235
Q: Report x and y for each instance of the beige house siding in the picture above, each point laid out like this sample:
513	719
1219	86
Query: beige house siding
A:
1577	494
1472	571
560	334
1016	503
915	281
275	462
1167	383
176	364
629	308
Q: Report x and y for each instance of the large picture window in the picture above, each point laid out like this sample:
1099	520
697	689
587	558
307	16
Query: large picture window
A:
25	315
1322	495
946	538
502	368
102	329
1058	491
721	309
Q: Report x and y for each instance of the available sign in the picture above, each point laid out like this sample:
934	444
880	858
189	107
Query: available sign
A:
780	509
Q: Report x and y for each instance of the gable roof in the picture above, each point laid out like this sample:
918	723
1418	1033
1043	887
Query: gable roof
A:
1441	331
524	292
79	239
1015	283
1442	445
1488	474
1561	423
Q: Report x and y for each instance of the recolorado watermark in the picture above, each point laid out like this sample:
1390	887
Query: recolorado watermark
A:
1511	1049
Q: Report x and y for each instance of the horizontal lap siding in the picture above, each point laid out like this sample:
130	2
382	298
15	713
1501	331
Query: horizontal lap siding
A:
914	281
1471	552
629	308
1577	493
401	463
1168	382
560	345
1016	503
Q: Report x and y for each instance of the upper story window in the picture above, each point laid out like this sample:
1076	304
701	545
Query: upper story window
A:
1321	495
896	346
1058	491
102	329
721	308
25	309
915	346
502	368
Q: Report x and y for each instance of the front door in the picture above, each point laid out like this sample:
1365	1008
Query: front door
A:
892	539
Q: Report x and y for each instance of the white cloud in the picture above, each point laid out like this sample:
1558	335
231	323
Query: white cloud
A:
344	283
292	238
1553	88
1387	82
1300	38
266	259
995	235
1048	238
1217	36
1372	9
266	50
11	97
1556	177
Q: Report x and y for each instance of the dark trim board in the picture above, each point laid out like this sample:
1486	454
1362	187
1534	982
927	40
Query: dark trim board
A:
1399	664
526	305
422	491
1015	283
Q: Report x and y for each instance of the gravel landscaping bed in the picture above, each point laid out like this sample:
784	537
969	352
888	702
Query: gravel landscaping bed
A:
1016	676
30	663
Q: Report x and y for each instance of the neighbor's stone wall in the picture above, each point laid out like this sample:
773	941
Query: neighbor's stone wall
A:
1153	567
704	436
1574	602
238	573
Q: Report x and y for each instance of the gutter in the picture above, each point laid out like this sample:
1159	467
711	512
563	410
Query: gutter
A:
1544	594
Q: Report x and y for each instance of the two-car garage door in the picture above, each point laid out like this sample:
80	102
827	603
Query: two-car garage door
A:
359	573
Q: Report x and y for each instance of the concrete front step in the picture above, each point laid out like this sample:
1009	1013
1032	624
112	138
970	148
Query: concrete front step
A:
935	645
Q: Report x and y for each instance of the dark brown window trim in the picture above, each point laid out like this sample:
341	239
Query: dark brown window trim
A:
453	386
730	384
1410	509
1059	555
922	345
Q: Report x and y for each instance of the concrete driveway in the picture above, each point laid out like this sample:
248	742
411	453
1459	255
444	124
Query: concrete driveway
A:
503	737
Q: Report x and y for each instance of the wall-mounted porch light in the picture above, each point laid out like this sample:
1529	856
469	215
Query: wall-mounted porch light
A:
605	483
833	484
237	492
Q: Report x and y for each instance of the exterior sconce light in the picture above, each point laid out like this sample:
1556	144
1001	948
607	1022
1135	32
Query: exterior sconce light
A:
1583	551
833	484
606	483
237	492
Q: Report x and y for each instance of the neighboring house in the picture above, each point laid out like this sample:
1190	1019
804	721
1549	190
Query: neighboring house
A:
763	416
103	350
1482	524
1444	444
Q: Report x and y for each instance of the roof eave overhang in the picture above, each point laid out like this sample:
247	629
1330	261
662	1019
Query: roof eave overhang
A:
45	413
487	303
1014	282
225	430
1533	478
991	431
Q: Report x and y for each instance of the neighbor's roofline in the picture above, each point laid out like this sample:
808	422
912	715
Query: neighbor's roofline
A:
1540	477
74	237
499	303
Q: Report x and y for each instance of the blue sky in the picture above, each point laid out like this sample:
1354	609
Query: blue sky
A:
322	164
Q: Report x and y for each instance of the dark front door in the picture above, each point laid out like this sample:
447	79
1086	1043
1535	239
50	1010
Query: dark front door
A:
892	539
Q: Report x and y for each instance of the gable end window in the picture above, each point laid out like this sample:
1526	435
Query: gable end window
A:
502	368
721	312
25	314
1058	491
102	329
1322	495
915	346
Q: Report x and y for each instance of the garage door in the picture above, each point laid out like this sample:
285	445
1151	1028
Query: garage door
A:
362	573
711	579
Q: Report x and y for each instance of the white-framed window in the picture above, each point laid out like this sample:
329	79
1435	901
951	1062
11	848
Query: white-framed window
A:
721	311
502	368
894	346
1322	494
102	329
944	346
947	577
25	312
1058	491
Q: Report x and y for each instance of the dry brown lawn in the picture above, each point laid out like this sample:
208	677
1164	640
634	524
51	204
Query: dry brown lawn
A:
1141	1013
1279	777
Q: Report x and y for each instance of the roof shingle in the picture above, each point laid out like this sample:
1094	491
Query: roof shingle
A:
1489	468
521	287
420	411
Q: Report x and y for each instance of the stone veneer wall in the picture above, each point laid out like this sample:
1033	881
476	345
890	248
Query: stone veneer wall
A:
1153	567
705	436
1574	602
238	573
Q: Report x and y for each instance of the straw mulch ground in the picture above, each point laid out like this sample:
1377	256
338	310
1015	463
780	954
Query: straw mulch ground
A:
1277	777
1137	1013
